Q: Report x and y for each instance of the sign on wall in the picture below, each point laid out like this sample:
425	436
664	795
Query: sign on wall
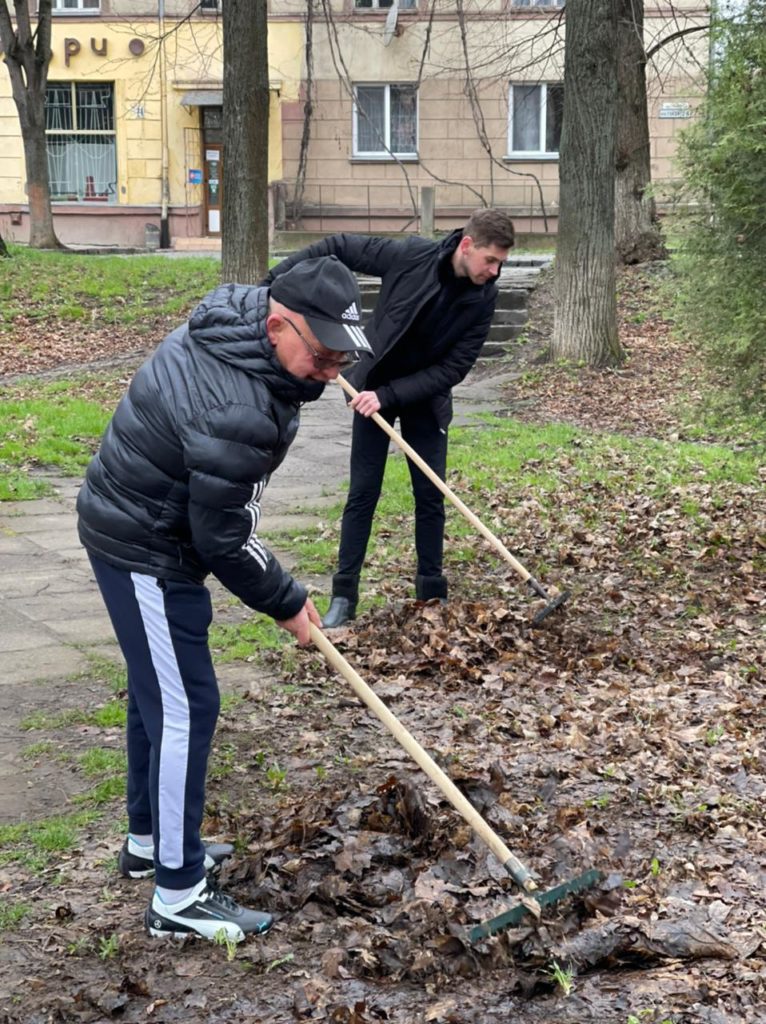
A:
675	110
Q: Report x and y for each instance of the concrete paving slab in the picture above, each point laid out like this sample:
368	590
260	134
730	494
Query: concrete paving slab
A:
38	523
51	608
58	582
62	538
12	543
27	636
77	557
49	663
38	507
86	629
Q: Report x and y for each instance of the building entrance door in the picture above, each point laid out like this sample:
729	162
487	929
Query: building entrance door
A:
213	181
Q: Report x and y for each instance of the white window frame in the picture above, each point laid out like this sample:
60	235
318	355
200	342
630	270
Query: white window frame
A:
384	154
536	154
59	8
110	198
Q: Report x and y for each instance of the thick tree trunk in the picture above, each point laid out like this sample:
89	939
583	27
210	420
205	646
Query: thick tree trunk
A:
27	56
637	233
42	234
585	322
3	249
245	227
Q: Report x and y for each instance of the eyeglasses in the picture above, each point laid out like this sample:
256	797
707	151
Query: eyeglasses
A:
324	362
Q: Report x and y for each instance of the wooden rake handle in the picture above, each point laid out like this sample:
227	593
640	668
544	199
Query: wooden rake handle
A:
411	454
512	865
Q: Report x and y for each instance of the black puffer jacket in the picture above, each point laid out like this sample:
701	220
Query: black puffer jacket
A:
175	489
409	272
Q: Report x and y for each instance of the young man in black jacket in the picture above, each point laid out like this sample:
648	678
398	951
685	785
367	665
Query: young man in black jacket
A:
173	494
430	322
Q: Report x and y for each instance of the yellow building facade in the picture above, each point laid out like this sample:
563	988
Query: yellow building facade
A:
132	101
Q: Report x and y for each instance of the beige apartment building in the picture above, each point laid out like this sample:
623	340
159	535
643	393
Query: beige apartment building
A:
453	102
462	97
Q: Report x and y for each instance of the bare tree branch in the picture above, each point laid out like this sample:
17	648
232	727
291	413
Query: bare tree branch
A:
345	80
478	119
675	35
308	112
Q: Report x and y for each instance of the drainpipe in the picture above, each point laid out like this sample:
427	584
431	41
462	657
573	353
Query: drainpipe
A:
165	184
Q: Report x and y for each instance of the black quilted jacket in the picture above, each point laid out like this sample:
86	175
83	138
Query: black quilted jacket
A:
175	489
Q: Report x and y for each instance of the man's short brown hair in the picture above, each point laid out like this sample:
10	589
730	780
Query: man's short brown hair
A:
488	226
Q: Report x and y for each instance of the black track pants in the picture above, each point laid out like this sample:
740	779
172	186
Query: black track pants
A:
173	703
369	449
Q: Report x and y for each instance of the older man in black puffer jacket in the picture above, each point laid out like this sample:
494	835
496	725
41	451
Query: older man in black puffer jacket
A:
173	494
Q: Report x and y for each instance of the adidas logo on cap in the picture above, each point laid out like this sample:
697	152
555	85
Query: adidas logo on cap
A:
352	313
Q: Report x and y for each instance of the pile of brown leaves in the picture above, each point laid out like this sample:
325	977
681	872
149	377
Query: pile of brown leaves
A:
643	396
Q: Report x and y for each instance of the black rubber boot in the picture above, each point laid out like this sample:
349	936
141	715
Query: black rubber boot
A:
345	595
429	587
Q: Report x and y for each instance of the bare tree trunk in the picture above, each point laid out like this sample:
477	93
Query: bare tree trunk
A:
585	323
245	227
637	234
3	249
42	234
28	56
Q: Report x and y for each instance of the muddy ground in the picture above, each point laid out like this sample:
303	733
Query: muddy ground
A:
626	735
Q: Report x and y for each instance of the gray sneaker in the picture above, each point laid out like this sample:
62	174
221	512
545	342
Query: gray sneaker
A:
207	912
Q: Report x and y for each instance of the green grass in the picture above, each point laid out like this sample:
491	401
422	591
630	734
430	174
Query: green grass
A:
33	751
12	914
101	289
100	761
53	430
223	760
34	844
243	640
504	460
104	670
103	792
110	715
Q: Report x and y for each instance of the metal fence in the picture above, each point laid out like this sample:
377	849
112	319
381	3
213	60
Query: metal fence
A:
395	206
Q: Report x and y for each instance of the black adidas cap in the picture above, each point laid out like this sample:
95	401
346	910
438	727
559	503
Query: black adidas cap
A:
326	293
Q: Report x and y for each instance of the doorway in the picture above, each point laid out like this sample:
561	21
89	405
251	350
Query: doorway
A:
212	164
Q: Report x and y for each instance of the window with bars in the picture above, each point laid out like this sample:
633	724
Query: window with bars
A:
534	123
79	131
76	5
376	5
537	3
385	120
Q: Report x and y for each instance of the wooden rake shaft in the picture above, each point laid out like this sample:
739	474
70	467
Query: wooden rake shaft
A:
472	518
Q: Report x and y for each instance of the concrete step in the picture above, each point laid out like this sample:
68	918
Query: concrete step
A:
512	298
504	332
510	316
494	349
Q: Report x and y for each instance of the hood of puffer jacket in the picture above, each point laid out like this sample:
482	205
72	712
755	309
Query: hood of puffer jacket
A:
230	324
